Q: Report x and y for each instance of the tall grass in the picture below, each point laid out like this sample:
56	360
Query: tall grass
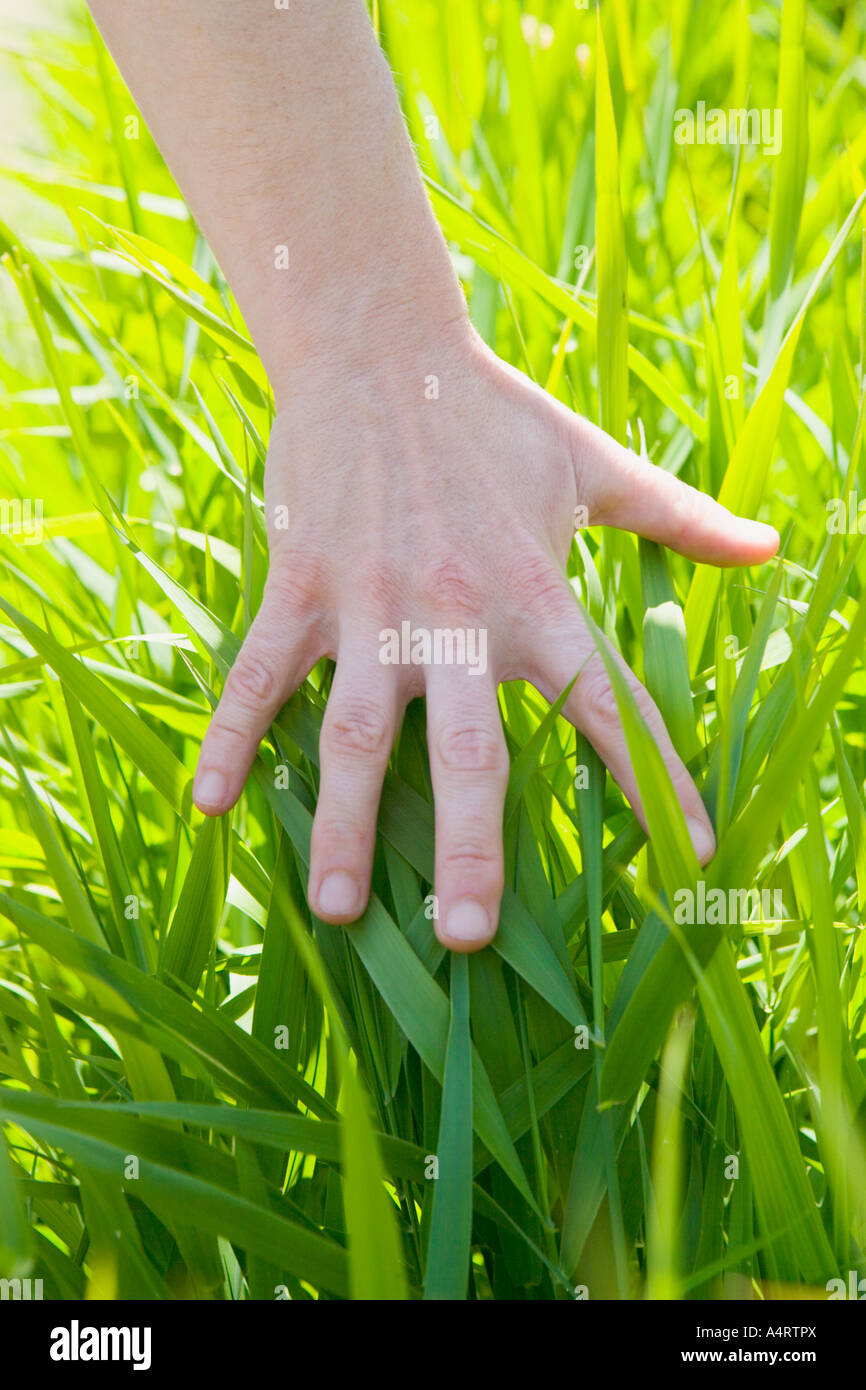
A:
207	1094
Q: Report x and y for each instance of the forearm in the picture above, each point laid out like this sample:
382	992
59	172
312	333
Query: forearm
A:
283	130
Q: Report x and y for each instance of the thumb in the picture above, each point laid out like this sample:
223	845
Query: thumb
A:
635	495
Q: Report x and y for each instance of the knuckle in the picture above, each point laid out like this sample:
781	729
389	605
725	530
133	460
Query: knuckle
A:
298	585
473	747
622	475
646	705
479	863
541	590
686	512
253	681
226	738
465	854
382	586
332	833
597	700
449	588
357	728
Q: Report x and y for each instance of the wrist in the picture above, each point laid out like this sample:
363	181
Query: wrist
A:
394	326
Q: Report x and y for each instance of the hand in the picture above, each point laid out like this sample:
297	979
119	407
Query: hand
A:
441	513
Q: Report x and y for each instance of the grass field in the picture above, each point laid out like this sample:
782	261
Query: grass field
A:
203	1092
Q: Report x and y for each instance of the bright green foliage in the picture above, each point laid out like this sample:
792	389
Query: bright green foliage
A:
203	1092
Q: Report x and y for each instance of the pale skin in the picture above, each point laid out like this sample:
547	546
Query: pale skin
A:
282	128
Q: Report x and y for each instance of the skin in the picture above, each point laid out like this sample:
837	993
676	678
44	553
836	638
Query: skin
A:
282	128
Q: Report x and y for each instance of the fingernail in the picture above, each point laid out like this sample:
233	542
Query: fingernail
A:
765	533
339	895
702	838
467	921
209	788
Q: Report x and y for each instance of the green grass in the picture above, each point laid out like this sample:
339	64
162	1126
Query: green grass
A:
203	1092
